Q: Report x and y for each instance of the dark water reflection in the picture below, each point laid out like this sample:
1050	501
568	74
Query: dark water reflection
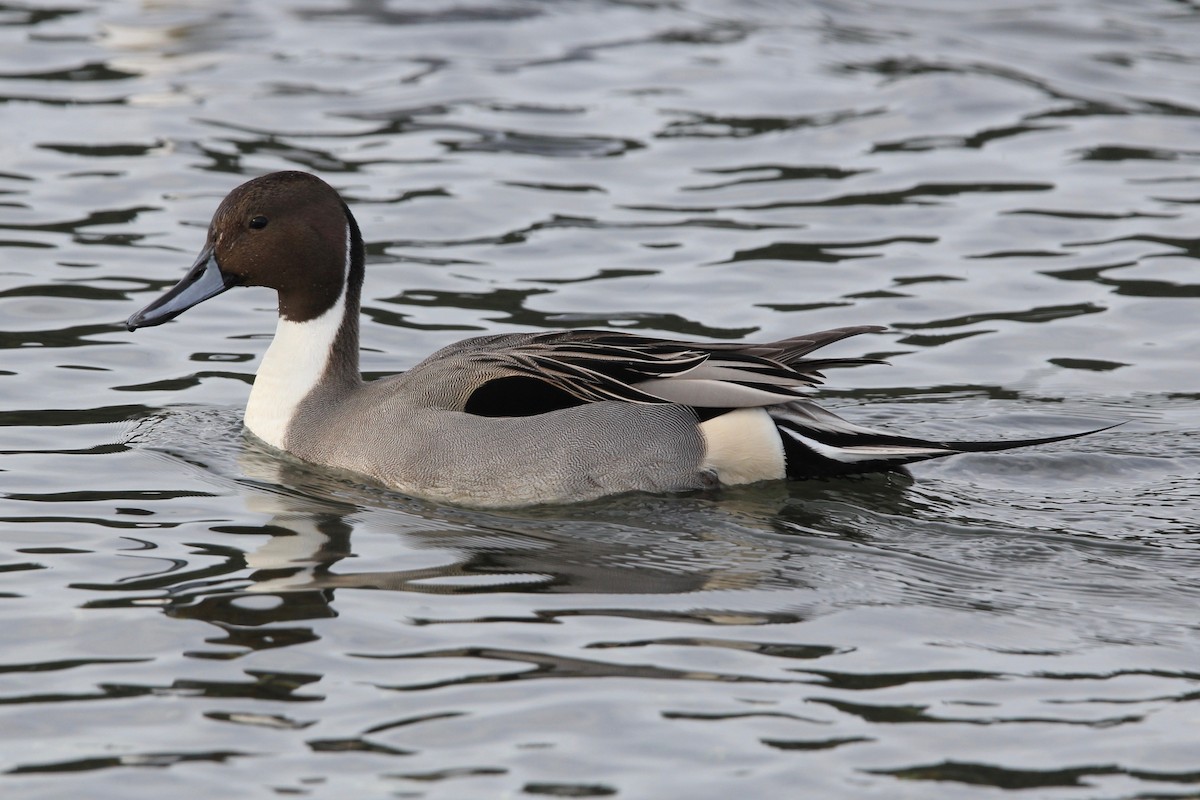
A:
1011	189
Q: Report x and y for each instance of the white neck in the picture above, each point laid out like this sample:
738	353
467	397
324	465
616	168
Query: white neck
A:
292	366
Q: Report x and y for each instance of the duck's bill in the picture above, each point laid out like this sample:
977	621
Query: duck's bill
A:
203	280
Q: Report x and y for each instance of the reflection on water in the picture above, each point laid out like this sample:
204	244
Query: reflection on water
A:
1011	189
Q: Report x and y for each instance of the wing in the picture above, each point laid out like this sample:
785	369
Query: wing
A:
521	374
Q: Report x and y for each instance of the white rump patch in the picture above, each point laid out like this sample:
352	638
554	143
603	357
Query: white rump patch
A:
743	446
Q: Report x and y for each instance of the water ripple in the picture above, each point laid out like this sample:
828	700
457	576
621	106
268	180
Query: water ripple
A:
1008	187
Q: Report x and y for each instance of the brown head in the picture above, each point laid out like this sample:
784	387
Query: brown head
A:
289	231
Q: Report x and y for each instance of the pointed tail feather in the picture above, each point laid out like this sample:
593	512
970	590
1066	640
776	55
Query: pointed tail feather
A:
818	443
1009	444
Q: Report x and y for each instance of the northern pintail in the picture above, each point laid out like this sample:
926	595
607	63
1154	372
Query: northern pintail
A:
515	419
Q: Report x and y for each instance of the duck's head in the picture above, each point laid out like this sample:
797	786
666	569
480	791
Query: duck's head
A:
289	231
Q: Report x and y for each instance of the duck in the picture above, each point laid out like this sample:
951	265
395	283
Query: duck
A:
516	419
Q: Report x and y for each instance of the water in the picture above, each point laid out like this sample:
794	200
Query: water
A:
1012	188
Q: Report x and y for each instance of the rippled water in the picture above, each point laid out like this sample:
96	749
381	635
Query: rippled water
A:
1011	187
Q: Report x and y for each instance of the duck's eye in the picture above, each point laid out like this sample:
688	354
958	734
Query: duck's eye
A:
258	223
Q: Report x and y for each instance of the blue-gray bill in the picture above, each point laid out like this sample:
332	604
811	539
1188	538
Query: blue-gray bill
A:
203	281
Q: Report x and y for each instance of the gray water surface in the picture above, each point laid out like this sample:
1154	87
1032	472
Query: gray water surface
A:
1011	188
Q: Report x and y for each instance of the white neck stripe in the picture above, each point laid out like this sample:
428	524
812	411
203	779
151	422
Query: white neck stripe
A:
293	366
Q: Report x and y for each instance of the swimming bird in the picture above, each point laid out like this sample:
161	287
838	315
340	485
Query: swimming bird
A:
521	418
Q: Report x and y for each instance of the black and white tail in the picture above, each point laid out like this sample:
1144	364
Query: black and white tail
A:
819	443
